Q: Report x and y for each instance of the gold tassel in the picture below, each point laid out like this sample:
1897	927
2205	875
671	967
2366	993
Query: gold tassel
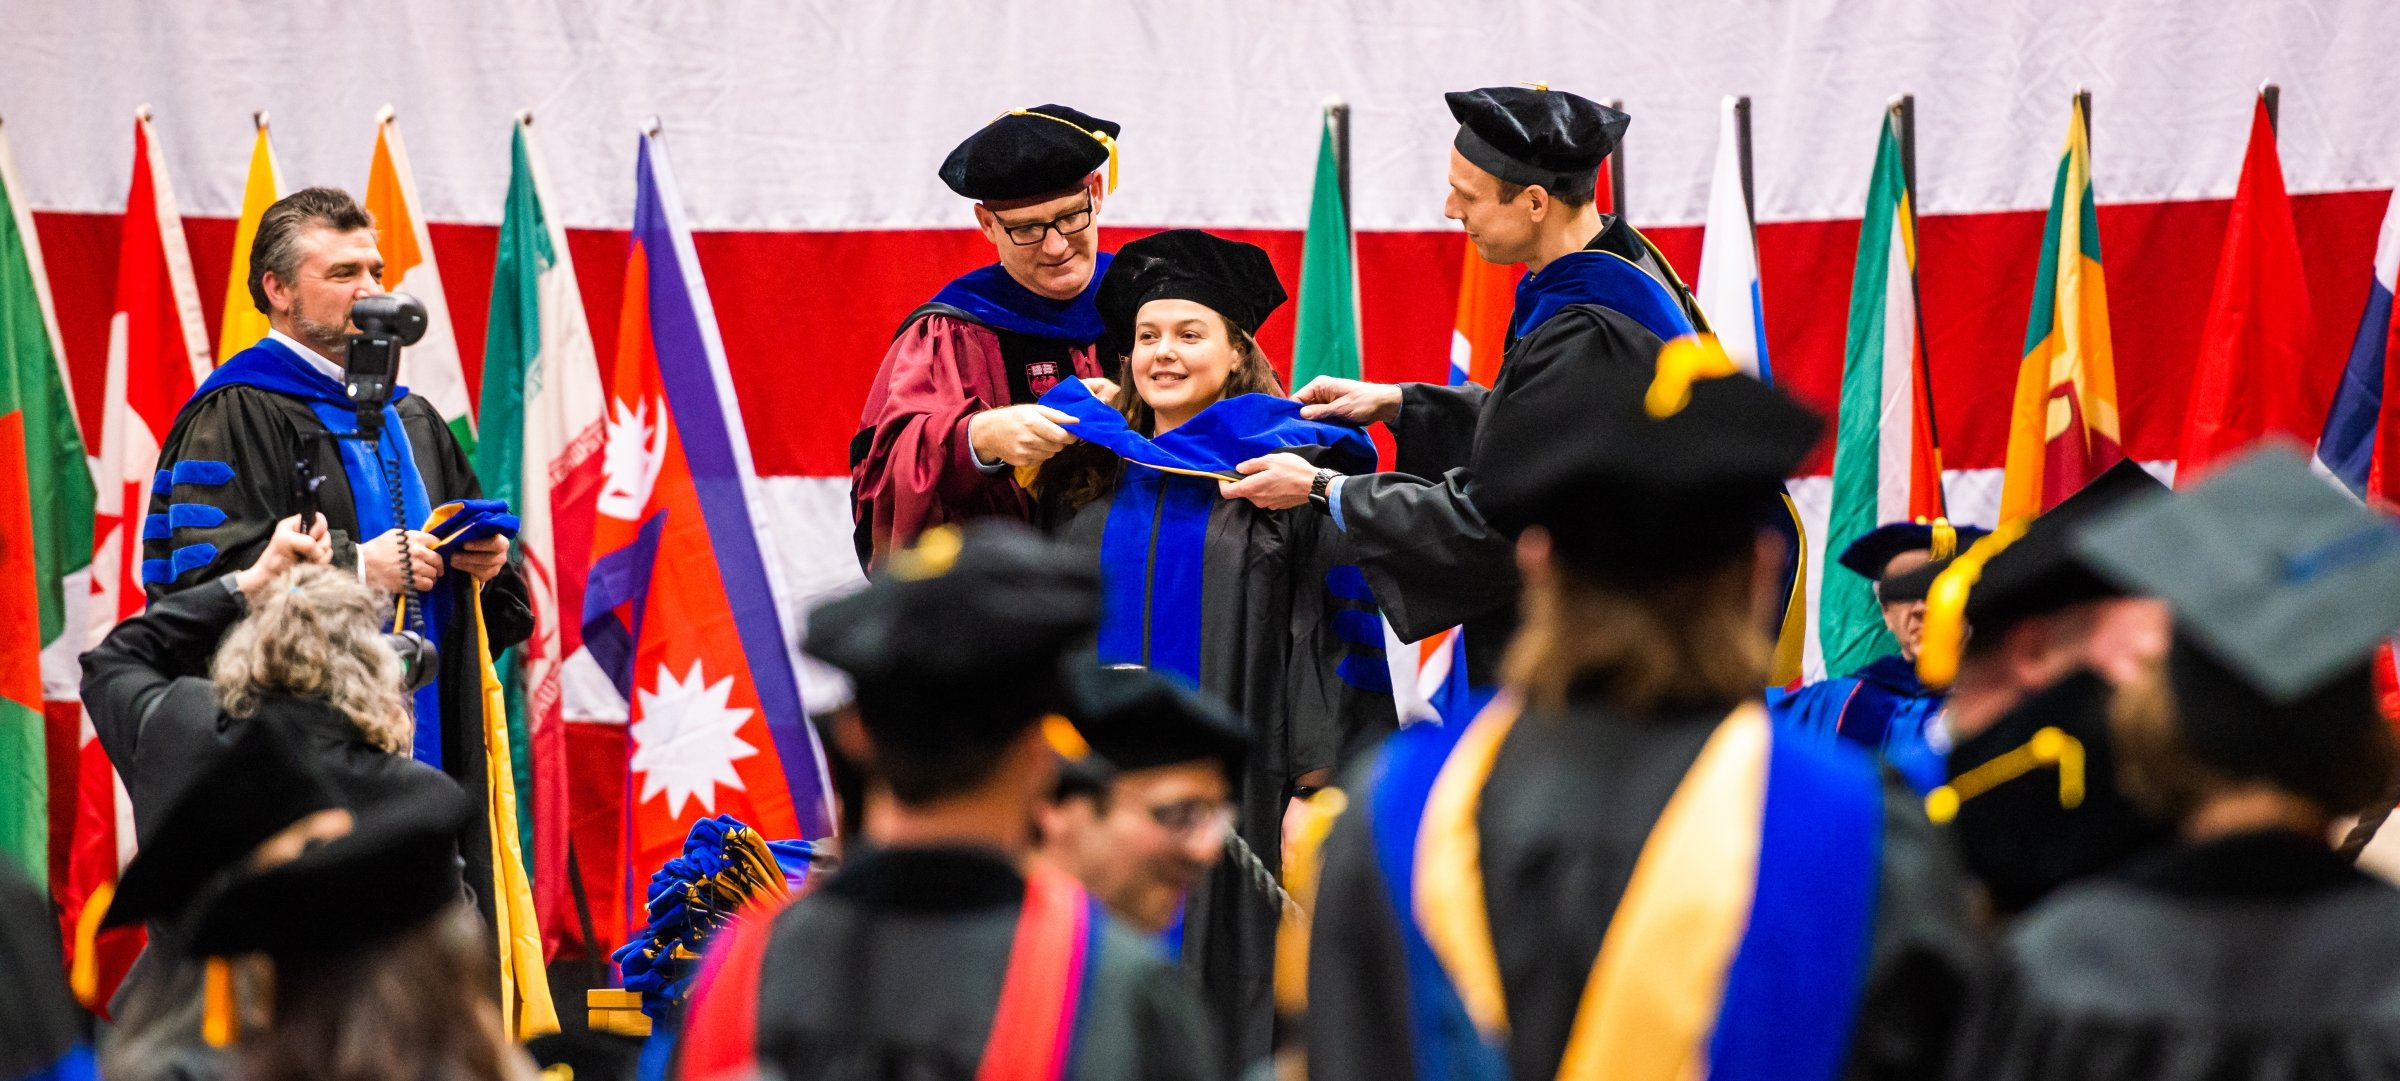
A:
2049	746
1945	631
84	977
217	1021
1945	539
1681	363
1060	733
1101	137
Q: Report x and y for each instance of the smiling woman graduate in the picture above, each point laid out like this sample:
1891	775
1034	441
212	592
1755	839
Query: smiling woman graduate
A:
1261	609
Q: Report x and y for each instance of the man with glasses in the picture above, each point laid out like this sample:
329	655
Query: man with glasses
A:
951	411
1144	811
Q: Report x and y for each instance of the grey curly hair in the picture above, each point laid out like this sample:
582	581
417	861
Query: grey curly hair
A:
313	633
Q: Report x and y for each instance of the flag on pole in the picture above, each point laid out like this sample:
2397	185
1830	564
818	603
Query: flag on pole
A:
2250	379
45	529
1325	342
2063	427
2361	442
1729	257
243	324
680	609
1884	469
542	435
157	354
431	367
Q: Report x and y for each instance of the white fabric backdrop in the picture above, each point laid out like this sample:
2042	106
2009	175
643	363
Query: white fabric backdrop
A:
832	114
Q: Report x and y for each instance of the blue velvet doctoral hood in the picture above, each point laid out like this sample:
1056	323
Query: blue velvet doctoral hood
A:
1601	278
997	301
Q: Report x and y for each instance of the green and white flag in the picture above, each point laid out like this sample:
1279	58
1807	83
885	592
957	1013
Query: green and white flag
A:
1326	340
1884	465
540	450
46	497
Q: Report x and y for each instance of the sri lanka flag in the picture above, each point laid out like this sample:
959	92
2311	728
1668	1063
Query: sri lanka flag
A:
2359	444
680	610
2062	429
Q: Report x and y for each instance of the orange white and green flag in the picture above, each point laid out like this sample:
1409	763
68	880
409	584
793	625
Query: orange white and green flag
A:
45	527
1885	468
431	367
2063	426
243	324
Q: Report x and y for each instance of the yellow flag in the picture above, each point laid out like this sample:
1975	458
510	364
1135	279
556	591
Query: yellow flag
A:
244	324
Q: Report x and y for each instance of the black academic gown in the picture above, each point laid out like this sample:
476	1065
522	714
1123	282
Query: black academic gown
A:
262	435
893	969
1269	649
162	729
2255	956
1433	560
1565	813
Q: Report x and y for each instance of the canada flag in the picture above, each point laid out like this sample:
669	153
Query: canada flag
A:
680	610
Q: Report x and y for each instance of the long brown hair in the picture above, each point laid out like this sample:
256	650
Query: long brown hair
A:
1680	642
1082	473
417	1007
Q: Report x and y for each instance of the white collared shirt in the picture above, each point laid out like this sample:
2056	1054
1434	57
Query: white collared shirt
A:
315	359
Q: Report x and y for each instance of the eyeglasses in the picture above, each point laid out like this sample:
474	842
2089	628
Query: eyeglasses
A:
1185	818
1068	224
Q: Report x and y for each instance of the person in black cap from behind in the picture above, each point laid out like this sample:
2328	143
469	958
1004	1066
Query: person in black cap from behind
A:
257	803
952	408
1523	172
2249	948
1260	609
940	950
1883	706
1143	813
2030	642
379	965
1564	817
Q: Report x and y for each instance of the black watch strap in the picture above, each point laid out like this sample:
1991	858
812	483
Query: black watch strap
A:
1318	489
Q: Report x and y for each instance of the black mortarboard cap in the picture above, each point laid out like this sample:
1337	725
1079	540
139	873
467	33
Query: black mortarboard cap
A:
2277	575
2039	572
1134	718
396	870
2282	586
1622	483
1234	279
1530	136
255	788
961	633
1047	150
1875	549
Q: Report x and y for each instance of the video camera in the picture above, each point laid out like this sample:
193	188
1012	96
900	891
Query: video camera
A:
385	322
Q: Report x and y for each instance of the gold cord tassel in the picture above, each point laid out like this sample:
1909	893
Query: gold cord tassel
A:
84	977
1681	363
1945	629
217	1021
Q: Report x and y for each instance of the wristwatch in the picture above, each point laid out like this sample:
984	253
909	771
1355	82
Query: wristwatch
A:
1316	490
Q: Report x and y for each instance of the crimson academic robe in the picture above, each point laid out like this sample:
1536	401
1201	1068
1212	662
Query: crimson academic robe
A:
982	342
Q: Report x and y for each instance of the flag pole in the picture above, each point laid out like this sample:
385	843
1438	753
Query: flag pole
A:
1337	114
2272	95
1616	168
1903	116
1741	142
2083	102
